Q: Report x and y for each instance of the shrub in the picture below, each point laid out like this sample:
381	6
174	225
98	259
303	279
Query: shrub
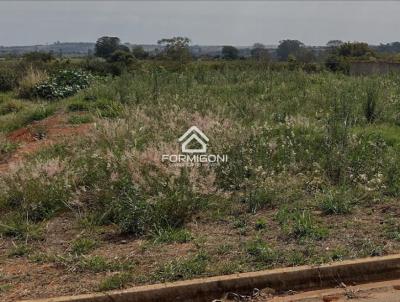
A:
8	79
63	84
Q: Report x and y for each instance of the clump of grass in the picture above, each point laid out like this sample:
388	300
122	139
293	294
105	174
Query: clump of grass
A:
4	288
261	251
299	224
227	267
170	235
392	229
40	192
371	103
258	199
94	264
78	105
261	224
28	82
117	281
19	250
19	227
336	202
82	246
224	249
6	147
179	269
11	106
80	119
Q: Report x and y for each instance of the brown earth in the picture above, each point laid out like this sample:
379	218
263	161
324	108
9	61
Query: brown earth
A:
41	134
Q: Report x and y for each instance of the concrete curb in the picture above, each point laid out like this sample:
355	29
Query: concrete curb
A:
296	278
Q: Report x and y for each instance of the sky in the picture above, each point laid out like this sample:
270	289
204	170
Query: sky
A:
204	22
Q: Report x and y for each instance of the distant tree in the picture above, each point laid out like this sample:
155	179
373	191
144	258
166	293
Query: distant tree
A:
121	56
139	52
105	46
305	55
123	48
230	52
340	57
393	47
176	48
38	56
288	47
259	52
334	43
356	49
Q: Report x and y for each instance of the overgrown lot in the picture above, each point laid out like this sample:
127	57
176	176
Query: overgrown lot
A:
312	177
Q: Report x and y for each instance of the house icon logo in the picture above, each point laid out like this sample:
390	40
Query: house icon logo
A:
191	135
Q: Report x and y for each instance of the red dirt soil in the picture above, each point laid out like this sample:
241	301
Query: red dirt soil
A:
55	129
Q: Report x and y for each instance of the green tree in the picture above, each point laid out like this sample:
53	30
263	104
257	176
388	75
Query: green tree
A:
105	46
288	47
259	52
356	49
230	52
139	52
339	58
176	48
334	43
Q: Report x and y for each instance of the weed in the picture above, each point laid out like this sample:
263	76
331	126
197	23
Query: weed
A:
261	224
392	229
117	281
300	224
371	103
336	202
82	246
19	250
258	199
261	252
19	227
170	235
182	268
4	288
80	119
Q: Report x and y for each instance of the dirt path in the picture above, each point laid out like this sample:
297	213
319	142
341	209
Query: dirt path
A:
39	135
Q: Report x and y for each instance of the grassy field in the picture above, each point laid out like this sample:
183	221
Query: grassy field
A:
312	177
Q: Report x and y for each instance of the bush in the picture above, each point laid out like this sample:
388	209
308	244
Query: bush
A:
8	79
63	84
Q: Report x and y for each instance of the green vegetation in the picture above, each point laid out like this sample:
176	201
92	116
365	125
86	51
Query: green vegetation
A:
312	168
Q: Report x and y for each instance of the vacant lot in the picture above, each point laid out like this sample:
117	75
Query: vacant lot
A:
87	205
